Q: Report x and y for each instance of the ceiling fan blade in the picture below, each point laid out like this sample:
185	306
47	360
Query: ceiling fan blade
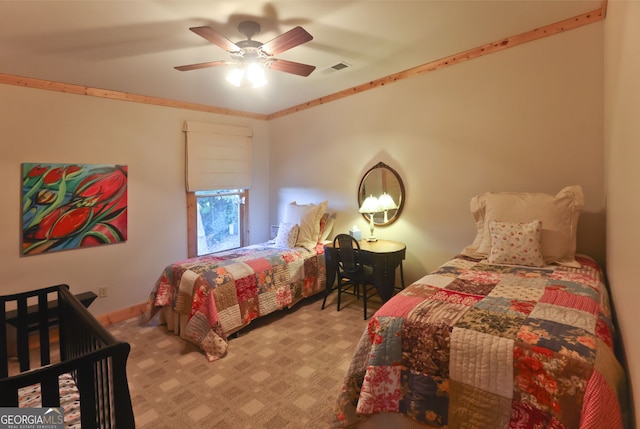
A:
291	67
290	39
201	65
216	38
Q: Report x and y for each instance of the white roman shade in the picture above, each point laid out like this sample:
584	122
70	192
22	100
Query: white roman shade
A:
217	156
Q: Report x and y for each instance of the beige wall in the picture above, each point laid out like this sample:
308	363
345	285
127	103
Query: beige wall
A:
45	126
622	142
525	119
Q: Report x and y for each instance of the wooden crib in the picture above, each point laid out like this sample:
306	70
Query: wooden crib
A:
35	326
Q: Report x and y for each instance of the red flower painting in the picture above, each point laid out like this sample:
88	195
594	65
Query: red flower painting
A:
69	206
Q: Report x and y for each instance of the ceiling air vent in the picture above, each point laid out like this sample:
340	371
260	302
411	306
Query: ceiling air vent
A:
336	67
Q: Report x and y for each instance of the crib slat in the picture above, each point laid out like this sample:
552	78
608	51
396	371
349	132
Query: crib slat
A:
121	401
106	378
50	391
23	336
43	315
86	381
4	352
100	387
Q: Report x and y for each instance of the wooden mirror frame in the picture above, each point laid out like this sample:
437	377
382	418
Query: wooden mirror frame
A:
378	179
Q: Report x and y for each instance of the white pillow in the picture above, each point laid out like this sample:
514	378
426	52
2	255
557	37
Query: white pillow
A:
558	213
287	235
307	216
515	243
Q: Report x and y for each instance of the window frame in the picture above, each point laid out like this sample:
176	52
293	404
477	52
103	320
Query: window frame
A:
192	221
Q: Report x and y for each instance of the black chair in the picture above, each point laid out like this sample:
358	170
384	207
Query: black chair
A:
353	277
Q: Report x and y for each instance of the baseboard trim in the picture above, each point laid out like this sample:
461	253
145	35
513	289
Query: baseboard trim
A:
122	314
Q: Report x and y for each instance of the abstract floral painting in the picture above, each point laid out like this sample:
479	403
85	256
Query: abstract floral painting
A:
70	206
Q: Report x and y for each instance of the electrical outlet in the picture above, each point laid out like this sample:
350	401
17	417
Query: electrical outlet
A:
103	292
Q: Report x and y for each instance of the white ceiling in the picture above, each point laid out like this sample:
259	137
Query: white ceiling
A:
132	46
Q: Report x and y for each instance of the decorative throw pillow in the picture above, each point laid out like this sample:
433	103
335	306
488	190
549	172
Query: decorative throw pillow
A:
307	216
515	243
326	225
558	213
287	235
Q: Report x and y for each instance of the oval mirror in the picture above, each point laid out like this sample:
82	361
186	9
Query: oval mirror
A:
385	184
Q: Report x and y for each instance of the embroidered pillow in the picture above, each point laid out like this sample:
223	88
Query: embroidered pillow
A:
515	243
287	235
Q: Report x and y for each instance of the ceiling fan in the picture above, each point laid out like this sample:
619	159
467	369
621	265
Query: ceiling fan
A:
250	51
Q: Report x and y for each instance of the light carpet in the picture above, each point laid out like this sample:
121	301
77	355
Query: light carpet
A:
282	371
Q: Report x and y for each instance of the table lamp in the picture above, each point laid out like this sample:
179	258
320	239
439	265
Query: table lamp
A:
370	206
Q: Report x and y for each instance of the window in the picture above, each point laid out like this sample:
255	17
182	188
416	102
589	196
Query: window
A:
219	166
217	220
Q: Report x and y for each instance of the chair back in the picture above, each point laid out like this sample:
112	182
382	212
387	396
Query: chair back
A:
348	251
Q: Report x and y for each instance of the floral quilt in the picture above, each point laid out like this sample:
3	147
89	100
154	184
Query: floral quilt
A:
31	397
222	292
473	345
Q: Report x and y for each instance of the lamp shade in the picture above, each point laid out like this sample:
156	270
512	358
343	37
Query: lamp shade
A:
386	202
248	75
370	205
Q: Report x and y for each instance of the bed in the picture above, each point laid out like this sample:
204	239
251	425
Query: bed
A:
208	298
74	365
514	332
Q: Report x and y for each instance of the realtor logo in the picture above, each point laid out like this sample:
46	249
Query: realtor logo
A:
31	418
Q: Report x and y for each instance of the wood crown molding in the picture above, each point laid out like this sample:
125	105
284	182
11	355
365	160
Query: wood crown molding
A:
118	95
489	48
509	42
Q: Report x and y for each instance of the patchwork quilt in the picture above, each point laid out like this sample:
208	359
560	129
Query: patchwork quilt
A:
222	292
473	345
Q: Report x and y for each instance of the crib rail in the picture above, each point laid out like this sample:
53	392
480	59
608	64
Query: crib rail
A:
95	359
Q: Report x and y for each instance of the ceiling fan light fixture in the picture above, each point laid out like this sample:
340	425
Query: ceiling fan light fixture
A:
255	75
250	74
236	76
